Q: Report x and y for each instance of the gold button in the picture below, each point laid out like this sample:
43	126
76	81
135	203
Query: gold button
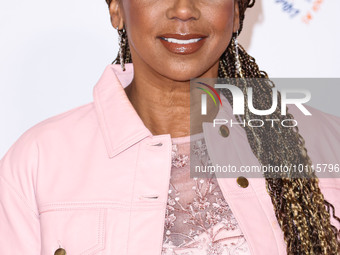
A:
224	131
242	182
60	251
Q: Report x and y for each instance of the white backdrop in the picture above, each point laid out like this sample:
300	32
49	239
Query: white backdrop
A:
53	52
286	43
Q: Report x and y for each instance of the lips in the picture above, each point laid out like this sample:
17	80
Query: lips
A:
182	43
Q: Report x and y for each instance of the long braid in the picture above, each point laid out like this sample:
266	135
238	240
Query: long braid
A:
299	205
300	208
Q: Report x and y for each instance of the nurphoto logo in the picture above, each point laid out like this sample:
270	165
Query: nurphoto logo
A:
238	104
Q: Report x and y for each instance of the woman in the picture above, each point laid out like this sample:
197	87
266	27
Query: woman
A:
96	179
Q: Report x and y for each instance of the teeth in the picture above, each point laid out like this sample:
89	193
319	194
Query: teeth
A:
173	40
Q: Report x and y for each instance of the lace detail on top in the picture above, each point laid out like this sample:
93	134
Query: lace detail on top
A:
198	220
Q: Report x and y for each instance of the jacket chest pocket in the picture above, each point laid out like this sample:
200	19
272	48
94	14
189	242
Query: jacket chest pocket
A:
79	231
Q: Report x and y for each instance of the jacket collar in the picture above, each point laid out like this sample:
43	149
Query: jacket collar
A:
119	122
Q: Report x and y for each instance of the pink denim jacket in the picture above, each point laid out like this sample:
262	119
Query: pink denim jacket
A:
94	180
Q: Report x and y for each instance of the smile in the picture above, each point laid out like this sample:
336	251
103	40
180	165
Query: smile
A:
173	40
182	44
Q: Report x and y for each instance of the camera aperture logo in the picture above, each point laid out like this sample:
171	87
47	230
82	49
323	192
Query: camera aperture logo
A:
239	105
204	97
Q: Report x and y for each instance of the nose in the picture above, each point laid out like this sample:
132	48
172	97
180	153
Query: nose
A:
183	10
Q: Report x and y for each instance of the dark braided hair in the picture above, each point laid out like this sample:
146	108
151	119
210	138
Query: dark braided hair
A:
300	208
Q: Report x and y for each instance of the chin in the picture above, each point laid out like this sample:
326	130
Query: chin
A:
182	75
183	72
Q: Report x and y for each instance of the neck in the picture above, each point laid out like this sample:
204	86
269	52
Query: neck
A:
164	105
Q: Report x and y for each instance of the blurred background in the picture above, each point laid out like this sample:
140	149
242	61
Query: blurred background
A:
53	53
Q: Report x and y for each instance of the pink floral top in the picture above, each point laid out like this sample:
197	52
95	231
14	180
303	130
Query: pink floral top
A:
198	220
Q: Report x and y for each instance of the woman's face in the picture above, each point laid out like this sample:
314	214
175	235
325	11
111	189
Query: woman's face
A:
179	39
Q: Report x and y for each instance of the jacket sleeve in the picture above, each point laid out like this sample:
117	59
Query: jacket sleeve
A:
19	217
